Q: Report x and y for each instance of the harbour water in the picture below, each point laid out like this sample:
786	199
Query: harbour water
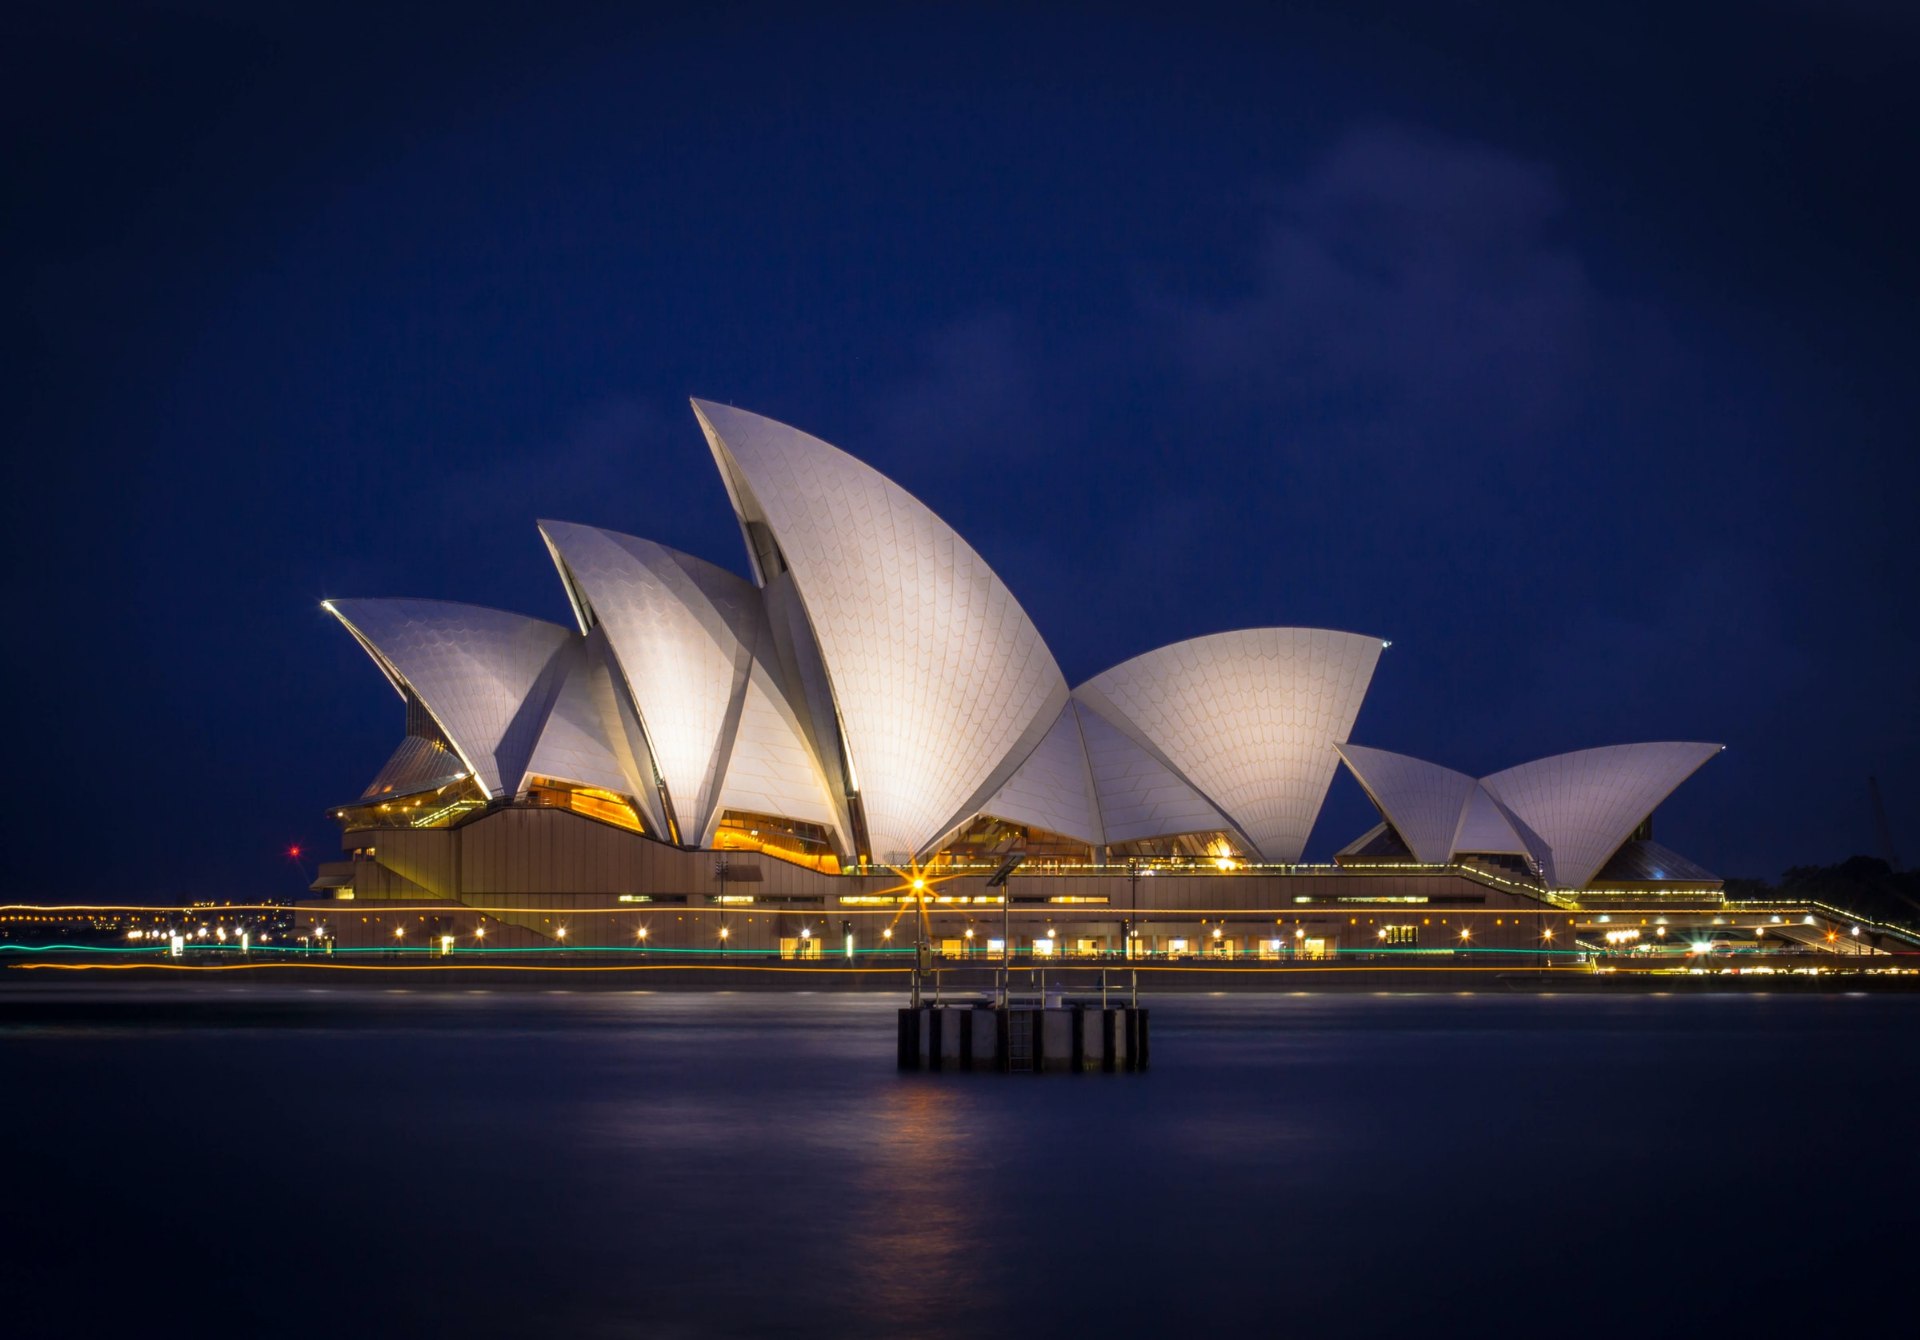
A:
230	1160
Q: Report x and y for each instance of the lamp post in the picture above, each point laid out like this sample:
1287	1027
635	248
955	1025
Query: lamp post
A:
1133	906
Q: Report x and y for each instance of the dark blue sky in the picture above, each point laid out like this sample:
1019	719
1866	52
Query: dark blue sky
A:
1570	347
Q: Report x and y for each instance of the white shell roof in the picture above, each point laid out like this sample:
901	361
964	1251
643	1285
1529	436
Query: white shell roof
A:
1140	797
1053	789
1247	718
938	675
574	742
625	739
770	769
1484	829
1584	805
485	676
687	636
417	765
1423	801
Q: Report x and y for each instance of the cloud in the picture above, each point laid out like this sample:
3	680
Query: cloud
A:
1406	285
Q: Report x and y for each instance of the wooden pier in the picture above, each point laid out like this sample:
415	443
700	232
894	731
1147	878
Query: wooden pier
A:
1045	1029
1024	1039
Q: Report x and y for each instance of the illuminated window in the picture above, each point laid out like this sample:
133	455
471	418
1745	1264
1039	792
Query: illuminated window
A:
441	807
589	801
791	840
987	839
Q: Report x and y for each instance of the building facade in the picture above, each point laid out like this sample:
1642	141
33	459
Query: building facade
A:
871	721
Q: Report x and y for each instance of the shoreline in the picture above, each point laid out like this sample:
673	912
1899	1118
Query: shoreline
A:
955	984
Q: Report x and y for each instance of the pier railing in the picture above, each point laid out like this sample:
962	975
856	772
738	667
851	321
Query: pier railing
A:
1031	982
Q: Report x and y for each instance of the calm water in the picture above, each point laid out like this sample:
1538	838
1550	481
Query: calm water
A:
249	1162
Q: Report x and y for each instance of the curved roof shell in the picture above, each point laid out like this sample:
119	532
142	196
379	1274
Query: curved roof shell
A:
418	764
1485	829
576	740
1423	801
1053	789
1140	797
689	639
485	676
1248	719
1586	804
941	683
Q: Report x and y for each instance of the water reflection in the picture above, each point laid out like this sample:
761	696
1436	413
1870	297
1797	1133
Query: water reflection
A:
917	1237
616	1163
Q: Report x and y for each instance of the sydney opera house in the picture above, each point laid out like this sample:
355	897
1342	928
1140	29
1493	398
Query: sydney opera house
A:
786	760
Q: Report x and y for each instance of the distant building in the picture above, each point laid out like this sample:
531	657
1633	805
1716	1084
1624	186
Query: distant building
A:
875	706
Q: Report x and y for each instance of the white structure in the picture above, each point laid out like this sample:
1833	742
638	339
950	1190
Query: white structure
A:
481	674
1248	719
1567	815
693	645
1583	806
941	682
1425	803
876	694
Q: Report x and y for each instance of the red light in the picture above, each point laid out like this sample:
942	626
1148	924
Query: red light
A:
294	852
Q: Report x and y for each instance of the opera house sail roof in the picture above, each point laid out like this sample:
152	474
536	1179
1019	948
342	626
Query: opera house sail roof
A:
1567	816
876	693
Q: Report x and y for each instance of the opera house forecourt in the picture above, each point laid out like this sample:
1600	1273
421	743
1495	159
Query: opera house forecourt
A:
835	757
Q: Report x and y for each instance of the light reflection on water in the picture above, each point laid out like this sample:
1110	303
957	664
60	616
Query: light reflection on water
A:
606	1163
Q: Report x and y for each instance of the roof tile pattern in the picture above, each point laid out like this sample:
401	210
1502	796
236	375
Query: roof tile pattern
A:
574	743
683	632
484	674
1248	718
1139	796
1053	789
1584	805
1422	800
1484	829
419	764
937	671
771	770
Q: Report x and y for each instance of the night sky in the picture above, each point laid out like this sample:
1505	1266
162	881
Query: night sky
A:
1571	347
